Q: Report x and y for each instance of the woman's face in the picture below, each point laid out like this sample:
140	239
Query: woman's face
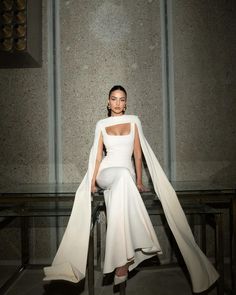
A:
117	102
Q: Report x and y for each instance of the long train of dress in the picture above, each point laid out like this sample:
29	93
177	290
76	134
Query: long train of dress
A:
70	260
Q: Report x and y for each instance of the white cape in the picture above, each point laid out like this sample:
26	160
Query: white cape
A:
71	258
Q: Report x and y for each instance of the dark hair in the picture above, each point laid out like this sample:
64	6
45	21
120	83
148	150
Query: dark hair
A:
114	88
117	87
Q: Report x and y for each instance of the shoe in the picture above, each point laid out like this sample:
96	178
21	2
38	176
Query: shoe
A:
120	279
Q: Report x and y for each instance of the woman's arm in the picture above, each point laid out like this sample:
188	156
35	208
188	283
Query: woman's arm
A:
138	161
97	163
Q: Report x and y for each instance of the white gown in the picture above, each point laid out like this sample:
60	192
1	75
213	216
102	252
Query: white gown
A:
130	234
70	260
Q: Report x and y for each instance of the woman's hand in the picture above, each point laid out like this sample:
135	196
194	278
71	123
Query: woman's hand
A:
142	188
94	189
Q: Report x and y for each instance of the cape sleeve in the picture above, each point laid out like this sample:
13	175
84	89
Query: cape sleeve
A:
71	257
201	271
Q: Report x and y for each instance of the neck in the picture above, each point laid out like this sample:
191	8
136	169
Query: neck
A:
116	115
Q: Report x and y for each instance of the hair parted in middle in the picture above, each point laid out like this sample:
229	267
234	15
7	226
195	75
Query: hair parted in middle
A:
114	88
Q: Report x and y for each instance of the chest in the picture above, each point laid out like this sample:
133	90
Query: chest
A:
119	129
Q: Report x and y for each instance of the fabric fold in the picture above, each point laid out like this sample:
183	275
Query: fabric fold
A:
73	249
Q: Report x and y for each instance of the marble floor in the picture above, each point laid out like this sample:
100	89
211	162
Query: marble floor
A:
167	281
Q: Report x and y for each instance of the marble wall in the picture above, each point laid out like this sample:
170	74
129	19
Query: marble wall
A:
119	42
105	43
204	85
24	122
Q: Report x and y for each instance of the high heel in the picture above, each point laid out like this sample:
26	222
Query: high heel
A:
120	279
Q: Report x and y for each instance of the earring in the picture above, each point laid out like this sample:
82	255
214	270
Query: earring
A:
108	106
125	107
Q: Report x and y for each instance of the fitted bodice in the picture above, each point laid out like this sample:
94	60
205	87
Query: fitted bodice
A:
119	150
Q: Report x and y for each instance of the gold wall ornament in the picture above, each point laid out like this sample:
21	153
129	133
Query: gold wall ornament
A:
21	17
6	44
7	31
20	30
7	17
20	44
20	33
7	5
20	4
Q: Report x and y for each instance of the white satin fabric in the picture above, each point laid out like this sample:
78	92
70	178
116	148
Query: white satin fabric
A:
71	257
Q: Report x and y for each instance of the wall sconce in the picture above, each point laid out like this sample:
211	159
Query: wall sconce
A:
20	33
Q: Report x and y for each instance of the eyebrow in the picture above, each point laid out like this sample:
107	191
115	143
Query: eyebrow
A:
118	97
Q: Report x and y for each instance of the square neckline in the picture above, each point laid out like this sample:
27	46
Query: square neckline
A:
120	135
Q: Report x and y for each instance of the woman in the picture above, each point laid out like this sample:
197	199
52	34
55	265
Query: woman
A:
115	173
130	235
